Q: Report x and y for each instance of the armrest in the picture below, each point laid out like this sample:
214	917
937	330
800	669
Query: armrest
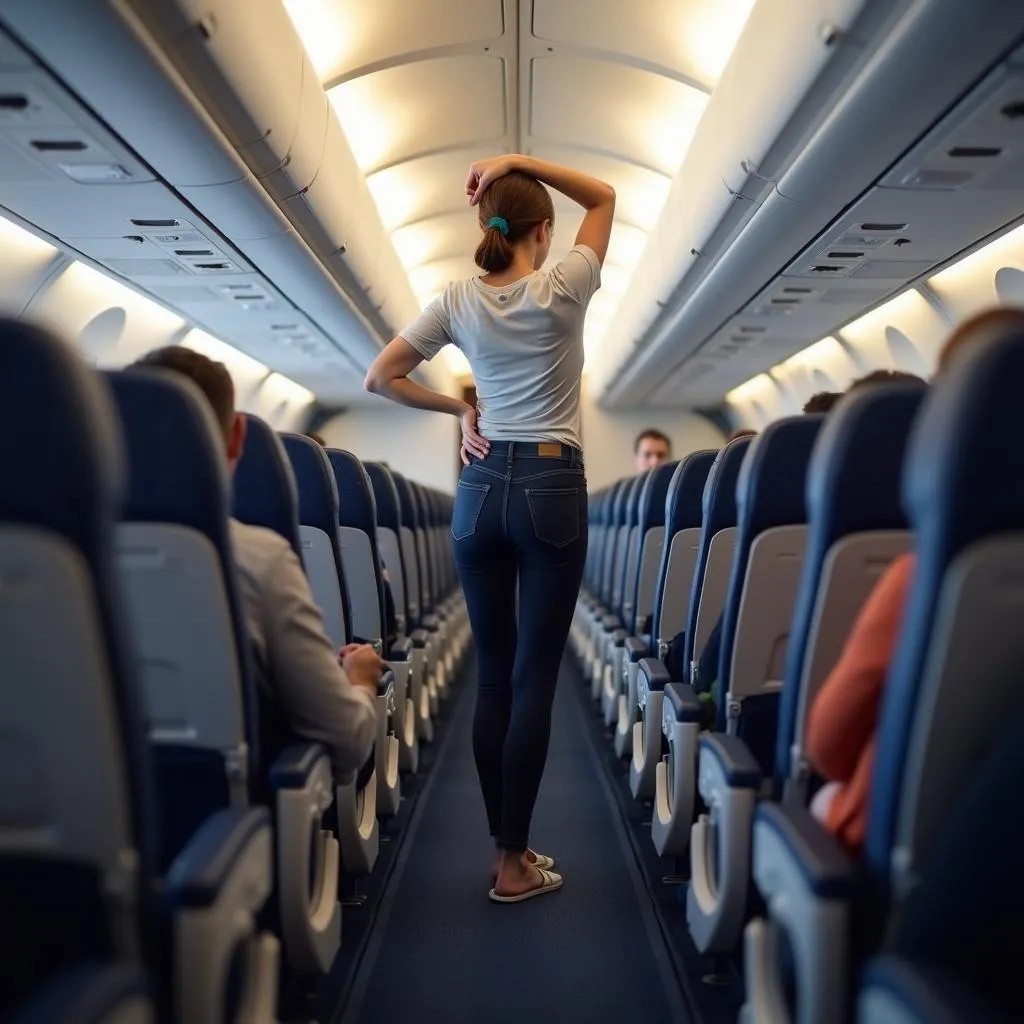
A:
897	988
684	702
635	648
419	638
737	763
655	674
610	622
386	683
619	637
431	623
200	871
296	764
823	864
401	650
86	995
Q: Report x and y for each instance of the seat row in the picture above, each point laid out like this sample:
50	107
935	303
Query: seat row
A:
765	551
169	848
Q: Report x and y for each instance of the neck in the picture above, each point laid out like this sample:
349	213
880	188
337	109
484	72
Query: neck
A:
521	266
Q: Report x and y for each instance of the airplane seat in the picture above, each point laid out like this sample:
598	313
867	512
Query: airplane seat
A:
299	773
651	525
713	487
400	656
431	620
857	527
354	817
614	514
952	686
610	626
91	994
588	605
185	617
421	650
625	609
771	535
356	529
80	879
675	729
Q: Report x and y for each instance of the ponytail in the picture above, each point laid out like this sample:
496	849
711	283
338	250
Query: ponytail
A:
509	210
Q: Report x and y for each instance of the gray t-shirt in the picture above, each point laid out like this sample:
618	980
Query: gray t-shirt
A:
524	343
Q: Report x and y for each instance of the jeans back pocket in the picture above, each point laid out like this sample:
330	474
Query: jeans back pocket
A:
469	503
555	513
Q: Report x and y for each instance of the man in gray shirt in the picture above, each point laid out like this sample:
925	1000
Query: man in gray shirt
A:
331	703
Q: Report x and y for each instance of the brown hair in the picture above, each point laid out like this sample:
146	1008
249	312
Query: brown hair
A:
314	436
522	203
654	435
980	328
885	377
742	432
822	401
211	378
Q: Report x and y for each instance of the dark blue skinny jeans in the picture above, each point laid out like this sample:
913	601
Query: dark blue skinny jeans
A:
520	518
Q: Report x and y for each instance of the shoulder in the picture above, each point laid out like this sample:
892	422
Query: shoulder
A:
257	549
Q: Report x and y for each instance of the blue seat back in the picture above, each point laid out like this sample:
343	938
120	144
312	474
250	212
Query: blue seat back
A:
631	553
718	512
853	487
682	510
357	523
318	527
389	525
770	493
77	794
651	533
415	596
190	638
955	676
265	492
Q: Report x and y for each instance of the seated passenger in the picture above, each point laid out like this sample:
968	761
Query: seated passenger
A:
314	436
822	401
741	432
885	377
650	449
295	664
841	727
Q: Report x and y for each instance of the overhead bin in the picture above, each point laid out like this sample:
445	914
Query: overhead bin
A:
247	66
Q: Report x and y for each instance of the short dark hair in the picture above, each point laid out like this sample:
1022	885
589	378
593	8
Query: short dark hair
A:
314	436
822	401
885	377
742	432
210	377
654	435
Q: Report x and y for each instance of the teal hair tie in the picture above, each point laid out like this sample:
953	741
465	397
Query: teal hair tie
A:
500	223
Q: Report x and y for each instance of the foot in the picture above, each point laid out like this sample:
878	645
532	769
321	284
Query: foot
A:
517	884
534	859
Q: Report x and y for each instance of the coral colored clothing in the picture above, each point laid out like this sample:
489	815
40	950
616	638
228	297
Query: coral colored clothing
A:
841	730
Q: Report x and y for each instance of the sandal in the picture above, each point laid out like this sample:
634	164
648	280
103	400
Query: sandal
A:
542	862
550	882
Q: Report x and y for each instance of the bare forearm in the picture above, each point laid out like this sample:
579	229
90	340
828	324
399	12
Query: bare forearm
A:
407	392
579	187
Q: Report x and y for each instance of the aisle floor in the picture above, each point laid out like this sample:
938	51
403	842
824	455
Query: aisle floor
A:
441	951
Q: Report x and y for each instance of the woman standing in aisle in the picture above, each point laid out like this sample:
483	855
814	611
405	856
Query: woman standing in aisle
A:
521	507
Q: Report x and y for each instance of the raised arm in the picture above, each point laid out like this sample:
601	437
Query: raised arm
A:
595	196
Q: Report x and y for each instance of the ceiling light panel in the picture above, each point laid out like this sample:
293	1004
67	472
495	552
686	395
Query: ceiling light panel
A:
406	111
342	36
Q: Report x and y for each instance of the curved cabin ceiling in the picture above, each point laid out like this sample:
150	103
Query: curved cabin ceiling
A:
423	89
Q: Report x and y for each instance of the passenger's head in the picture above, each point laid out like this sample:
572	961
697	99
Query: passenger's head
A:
650	449
742	432
884	377
314	436
215	383
515	212
822	401
979	328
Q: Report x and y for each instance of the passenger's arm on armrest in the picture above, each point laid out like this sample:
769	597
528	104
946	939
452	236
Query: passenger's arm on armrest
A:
321	703
845	711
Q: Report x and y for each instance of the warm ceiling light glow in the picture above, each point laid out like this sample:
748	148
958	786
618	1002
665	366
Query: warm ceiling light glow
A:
17	245
370	131
278	388
751	390
712	32
234	359
325	29
966	275
614	279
